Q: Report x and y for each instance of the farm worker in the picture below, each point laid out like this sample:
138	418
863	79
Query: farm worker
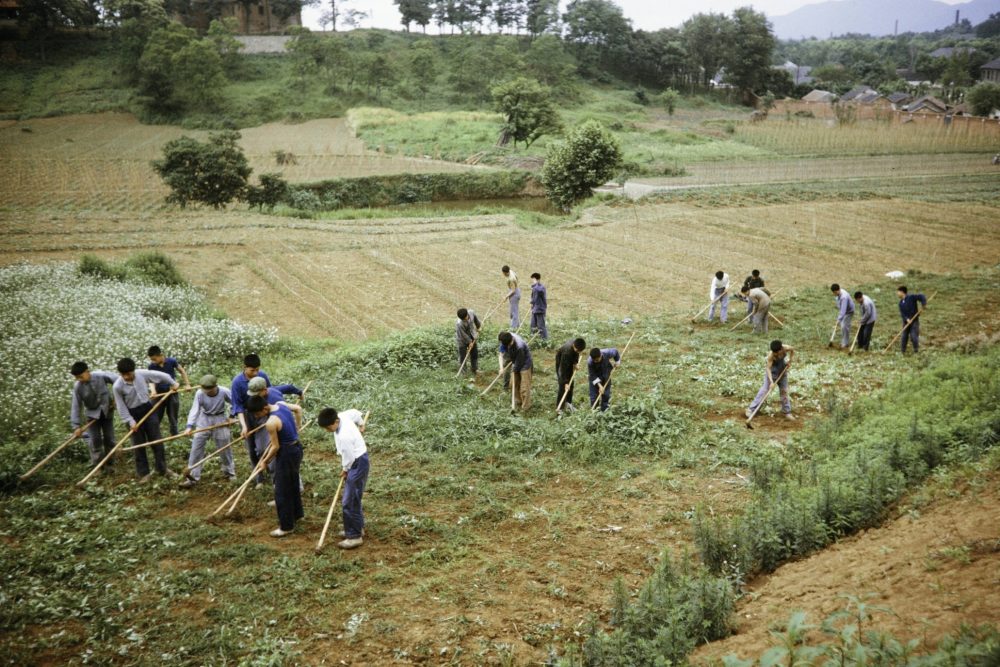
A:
91	399
238	395
273	395
908	309
599	373
869	315
718	294
513	295
347	428
760	304
171	407
778	361
539	304
567	361
209	409
282	424
132	400
845	313
519	355
466	334
751	281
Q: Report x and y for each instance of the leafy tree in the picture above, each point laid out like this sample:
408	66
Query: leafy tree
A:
748	62
669	99
272	191
598	29
478	63
990	27
41	18
380	73
414	11
707	39
955	76
423	67
508	14
984	98
527	109
831	74
221	33
573	168
547	61
657	59
136	21
214	172
179	72
541	17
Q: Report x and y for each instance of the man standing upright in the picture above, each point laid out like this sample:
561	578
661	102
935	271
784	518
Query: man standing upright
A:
238	392
868	318
845	313
909	309
170	407
209	409
466	339
599	368
513	295
567	363
718	294
520	357
132	401
539	304
92	400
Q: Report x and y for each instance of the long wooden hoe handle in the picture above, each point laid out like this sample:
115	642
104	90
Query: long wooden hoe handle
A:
855	341
566	391
235	496
499	375
179	435
329	517
125	437
774	317
482	323
597	401
769	390
749	315
177	391
218	451
302	396
908	322
58	449
712	303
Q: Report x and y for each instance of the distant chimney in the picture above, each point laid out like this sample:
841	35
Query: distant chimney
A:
956	17
895	31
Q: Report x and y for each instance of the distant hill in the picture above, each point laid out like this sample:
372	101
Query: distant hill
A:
838	17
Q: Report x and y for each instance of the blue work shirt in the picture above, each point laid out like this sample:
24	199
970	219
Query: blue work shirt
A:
278	392
908	305
170	368
539	302
238	389
602	369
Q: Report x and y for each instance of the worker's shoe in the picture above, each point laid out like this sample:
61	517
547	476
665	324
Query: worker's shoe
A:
271	503
278	532
145	478
364	533
749	413
351	543
789	416
258	485
187	483
231	479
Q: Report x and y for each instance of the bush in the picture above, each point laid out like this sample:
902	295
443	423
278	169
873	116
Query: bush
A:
153	268
96	267
272	191
984	97
213	172
589	157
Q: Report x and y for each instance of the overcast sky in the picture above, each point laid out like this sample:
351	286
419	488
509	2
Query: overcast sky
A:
645	14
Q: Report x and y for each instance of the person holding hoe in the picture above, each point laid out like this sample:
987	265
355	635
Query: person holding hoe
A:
869	315
238	392
599	368
132	400
567	363
718	294
751	281
910	311
467	328
779	360
845	313
92	399
172	406
760	305
515	350
282	424
348	428
209	409
539	306
513	295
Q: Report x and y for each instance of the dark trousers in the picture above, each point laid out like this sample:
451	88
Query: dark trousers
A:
170	407
538	324
605	397
256	444
473	361
149	431
560	388
912	333
101	438
354	488
287	493
865	335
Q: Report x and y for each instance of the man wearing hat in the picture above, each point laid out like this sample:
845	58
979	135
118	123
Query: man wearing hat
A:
209	409
92	400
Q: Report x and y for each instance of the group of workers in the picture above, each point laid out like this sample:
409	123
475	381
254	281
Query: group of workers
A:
269	426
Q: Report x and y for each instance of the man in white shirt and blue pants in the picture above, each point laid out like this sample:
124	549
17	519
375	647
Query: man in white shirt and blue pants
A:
347	428
719	296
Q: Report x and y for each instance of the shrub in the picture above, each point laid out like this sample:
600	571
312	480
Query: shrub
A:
213	172
272	191
589	157
984	97
153	268
96	267
528	110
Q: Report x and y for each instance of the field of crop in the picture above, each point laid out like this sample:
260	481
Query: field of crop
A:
493	538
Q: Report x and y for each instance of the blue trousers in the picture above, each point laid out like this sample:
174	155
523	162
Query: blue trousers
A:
354	488
538	324
515	304
287	493
605	397
722	303
912	333
149	431
256	444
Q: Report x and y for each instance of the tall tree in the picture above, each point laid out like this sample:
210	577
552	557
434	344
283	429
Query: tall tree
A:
749	60
528	110
599	30
414	11
541	16
707	39
41	18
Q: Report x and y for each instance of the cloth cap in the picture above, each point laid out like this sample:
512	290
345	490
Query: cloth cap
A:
209	381
256	385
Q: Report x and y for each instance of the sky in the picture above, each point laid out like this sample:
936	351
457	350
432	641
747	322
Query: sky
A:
645	14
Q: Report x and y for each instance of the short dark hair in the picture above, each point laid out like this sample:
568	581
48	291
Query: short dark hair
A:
595	353
579	344
835	287
256	403
745	289
153	351
327	417
858	294
776	346
79	368
505	268
505	337
462	312
125	365
251	361
902	288
536	276
719	274
755	273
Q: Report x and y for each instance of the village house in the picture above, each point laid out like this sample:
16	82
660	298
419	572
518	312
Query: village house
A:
990	71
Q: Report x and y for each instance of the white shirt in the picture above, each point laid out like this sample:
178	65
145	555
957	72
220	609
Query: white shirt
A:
718	284
350	442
